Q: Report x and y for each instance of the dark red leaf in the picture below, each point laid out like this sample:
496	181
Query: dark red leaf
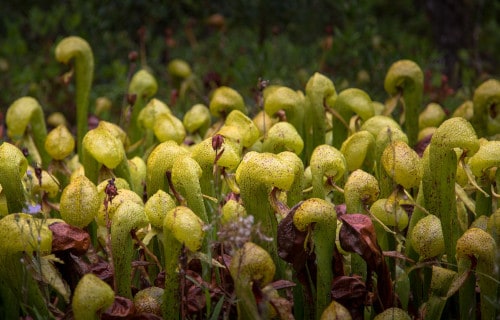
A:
357	234
70	238
291	248
351	292
122	308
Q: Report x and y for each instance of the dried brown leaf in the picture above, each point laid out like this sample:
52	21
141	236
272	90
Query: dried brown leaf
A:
122	308
66	237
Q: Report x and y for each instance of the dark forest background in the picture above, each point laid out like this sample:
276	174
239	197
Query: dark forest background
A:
457	43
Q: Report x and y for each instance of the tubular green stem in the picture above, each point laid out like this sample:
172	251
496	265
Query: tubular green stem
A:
128	216
322	216
257	175
144	86
488	156
13	166
158	163
79	49
23	235
349	102
250	264
318	89
439	176
181	227
294	194
479	244
406	76
186	173
384	138
92	296
361	189
442	279
326	161
486	98
25	118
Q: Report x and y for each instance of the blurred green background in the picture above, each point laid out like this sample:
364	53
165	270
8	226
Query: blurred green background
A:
237	42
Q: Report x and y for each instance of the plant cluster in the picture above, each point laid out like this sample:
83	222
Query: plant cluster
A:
322	204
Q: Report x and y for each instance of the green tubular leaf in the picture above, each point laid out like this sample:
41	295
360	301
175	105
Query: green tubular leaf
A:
480	244
375	124
128	216
205	154
440	172
144	86
320	214
197	119
186	174
485	104
326	161
179	68
283	137
406	76
358	151
349	102
248	130
168	127
432	116
290	101
158	163
101	147
153	109
181	227
25	117
486	157
79	202
393	314
390	213
224	100
361	190
335	311
124	195
78	49
138	170
250	264
318	89
185	226
59	143
257	175
427	237
13	166
157	206
91	297
402	164
385	137
23	235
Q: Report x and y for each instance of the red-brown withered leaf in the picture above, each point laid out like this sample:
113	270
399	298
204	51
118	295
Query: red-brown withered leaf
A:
351	292
291	248
122	308
67	237
357	234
